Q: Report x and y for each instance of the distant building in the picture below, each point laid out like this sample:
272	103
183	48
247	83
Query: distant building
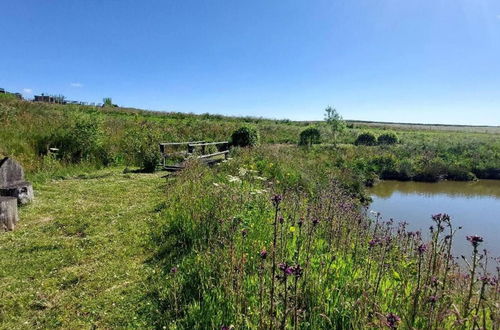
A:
49	99
17	95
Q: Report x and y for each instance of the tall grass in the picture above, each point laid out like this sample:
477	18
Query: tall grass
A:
250	245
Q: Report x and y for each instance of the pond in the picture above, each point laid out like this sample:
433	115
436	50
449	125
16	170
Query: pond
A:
473	205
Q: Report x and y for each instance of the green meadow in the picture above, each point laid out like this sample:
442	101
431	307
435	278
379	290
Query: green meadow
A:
277	236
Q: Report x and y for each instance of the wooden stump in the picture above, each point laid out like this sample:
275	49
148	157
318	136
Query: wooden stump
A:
8	213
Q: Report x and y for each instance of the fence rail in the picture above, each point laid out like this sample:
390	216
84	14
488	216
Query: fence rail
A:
191	146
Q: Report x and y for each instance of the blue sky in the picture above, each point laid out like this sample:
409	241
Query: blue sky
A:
432	61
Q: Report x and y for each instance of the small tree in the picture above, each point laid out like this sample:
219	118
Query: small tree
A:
107	102
309	136
335	121
245	136
367	139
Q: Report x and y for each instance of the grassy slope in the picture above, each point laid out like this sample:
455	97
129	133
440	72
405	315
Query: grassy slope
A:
77	258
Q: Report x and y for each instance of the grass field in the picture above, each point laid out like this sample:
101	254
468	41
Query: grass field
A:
77	258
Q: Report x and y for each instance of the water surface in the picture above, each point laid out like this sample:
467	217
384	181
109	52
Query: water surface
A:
473	205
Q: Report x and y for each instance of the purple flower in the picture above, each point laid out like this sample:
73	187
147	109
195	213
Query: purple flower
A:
315	221
432	299
281	220
475	240
276	199
263	254
392	320
422	248
297	270
173	270
374	242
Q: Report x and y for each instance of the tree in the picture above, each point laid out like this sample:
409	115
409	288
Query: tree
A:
108	102
335	121
309	136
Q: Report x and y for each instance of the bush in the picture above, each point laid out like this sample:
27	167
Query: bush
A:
309	136
367	139
245	136
83	140
388	138
141	147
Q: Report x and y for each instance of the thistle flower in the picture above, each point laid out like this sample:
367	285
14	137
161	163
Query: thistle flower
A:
392	320
276	199
263	254
475	240
432	299
281	220
374	242
422	248
173	270
297	270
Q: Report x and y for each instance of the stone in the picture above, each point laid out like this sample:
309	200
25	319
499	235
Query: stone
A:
8	213
12	181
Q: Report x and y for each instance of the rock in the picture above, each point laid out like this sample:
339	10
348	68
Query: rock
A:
12	181
8	213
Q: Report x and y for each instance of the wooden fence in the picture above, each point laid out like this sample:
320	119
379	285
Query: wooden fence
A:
190	152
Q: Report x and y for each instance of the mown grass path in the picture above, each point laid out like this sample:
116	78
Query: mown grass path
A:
77	258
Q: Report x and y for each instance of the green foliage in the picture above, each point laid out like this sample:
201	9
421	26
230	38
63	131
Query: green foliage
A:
81	141
366	138
141	146
245	136
309	136
335	122
387	138
107	102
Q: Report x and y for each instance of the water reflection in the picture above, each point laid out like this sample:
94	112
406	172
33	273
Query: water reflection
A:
473	205
451	188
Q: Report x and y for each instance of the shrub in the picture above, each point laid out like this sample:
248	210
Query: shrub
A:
309	136
245	136
83	140
388	138
141	147
367	139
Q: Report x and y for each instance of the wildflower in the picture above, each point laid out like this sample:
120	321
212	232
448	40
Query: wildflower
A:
292	229
315	221
392	320
374	242
261	178
276	199
475	240
242	171
281	220
422	248
287	270
263	254
432	299
297	270
173	270
232	178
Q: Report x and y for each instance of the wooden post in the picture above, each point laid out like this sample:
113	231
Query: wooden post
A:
8	213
